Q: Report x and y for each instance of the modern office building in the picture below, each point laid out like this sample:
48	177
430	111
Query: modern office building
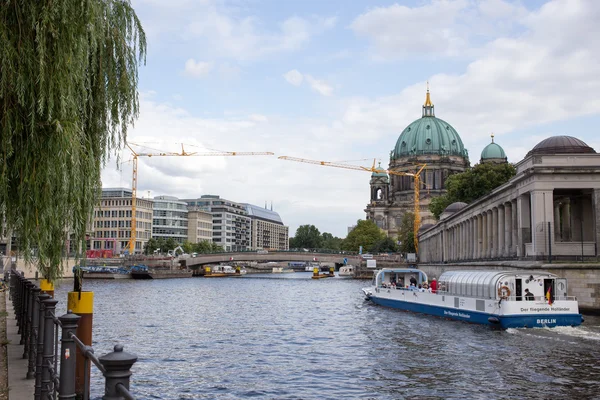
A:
268	230
170	219
200	225
112	221
231	224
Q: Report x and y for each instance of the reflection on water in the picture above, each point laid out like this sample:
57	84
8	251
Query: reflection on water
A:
286	336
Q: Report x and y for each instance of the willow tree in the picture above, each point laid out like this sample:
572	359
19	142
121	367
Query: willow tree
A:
68	92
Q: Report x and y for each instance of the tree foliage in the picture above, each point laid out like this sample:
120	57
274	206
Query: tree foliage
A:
331	242
307	236
406	233
68	91
385	245
472	184
365	234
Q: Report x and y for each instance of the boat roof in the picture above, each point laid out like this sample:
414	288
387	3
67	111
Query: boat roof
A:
486	275
402	270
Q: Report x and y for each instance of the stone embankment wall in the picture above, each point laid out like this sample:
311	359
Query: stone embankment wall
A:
583	280
31	269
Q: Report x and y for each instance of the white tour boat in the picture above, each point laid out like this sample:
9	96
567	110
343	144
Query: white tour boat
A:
505	299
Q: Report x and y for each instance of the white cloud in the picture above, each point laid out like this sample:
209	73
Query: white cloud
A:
437	28
222	34
258	118
319	86
425	29
197	69
294	77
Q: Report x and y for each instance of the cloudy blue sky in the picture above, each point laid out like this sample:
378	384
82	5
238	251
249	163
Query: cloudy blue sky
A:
338	80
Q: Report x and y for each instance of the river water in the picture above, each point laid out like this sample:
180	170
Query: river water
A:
287	336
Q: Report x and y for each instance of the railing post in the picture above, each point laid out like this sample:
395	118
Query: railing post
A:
48	355
24	307
28	317
118	371
40	345
34	331
19	305
67	356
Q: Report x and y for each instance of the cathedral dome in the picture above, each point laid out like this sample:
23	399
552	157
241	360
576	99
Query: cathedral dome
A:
493	152
380	173
429	135
561	145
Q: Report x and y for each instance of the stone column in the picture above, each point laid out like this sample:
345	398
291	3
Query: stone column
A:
542	213
473	238
480	236
596	218
515	228
524	224
500	248
508	229
557	222
567	231
494	252
463	227
489	227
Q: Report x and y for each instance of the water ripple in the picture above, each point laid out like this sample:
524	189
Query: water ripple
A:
290	337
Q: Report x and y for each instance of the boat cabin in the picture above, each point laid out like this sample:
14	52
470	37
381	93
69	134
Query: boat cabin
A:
400	277
507	285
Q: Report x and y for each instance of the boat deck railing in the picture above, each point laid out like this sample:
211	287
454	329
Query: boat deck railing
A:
537	299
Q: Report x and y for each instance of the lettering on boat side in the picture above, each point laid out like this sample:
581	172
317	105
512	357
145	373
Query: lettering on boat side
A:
456	314
545	321
539	309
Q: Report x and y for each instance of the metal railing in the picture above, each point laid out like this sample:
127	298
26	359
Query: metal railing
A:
39	329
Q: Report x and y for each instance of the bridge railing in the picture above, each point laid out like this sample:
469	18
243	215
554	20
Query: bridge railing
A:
55	372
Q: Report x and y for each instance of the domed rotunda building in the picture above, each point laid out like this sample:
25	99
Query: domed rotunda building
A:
428	141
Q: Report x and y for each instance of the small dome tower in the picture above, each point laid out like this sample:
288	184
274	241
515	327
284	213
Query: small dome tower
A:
493	153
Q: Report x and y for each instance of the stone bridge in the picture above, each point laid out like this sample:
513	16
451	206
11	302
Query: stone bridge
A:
284	256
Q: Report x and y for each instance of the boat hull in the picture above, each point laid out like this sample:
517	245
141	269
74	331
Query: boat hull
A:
478	317
101	275
160	274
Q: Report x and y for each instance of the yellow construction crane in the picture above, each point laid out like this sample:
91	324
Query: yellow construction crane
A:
416	176
184	153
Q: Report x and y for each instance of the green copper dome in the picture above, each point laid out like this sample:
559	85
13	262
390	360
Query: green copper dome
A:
380	173
493	151
429	135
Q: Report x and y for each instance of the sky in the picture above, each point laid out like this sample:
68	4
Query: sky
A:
338	81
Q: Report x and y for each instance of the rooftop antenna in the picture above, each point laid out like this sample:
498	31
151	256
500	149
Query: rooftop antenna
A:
271	205
265	204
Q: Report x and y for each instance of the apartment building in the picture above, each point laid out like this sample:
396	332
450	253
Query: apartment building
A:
170	219
268	230
112	221
231	224
200	225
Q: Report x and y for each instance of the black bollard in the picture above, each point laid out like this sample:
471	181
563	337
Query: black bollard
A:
118	370
35	323
25	306
67	356
48	354
28	319
40	345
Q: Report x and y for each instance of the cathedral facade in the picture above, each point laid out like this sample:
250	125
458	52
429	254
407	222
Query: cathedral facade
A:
430	142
